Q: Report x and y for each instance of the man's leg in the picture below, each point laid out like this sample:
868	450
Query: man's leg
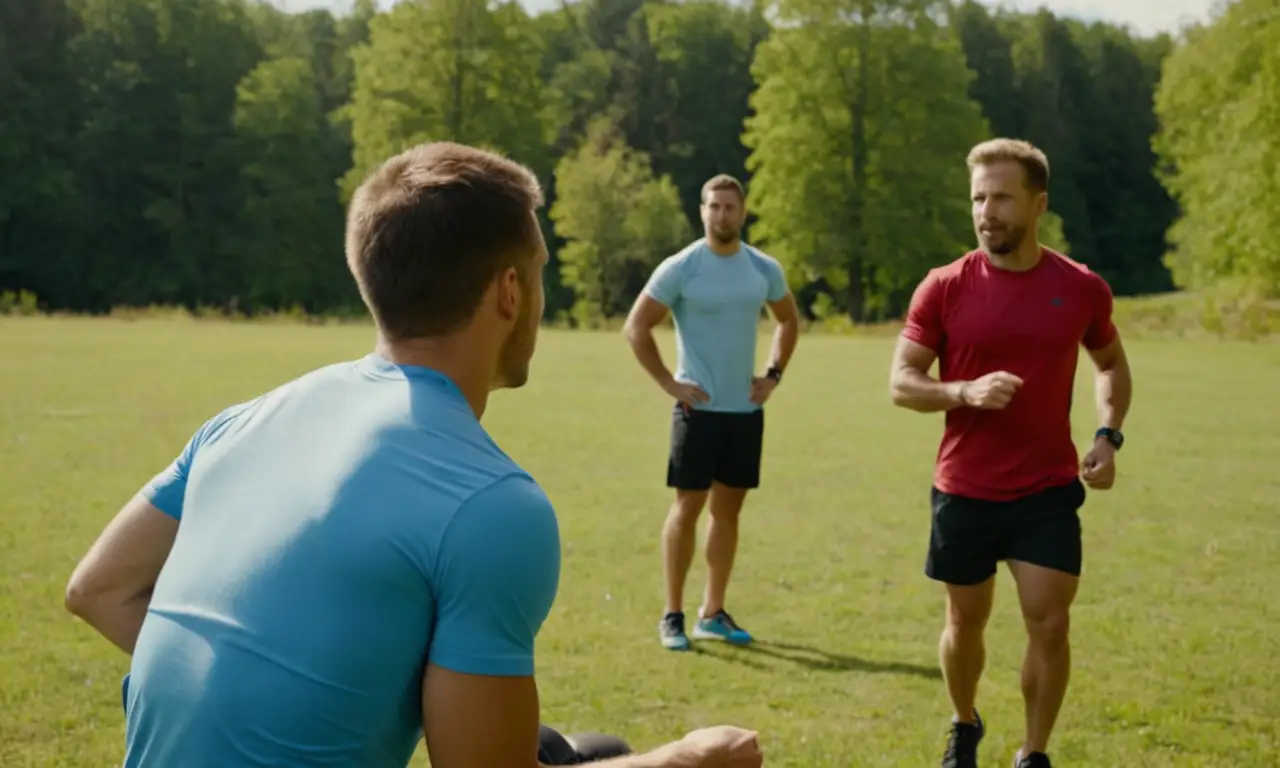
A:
578	748
679	540
964	548
1046	596
689	470
1045	560
962	650
722	543
737	471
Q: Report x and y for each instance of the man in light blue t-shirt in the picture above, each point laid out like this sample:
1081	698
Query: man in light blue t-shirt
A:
347	563
715	291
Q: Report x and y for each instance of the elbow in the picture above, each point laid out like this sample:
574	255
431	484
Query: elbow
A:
633	332
85	594
79	596
896	393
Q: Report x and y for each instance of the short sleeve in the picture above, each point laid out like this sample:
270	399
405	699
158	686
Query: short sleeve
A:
496	577
777	280
1101	330
923	323
167	490
666	281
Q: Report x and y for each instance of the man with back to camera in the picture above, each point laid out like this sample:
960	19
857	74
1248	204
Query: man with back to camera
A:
1005	323
715	290
349	563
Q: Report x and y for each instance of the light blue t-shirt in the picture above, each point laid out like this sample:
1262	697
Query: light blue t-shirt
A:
334	536
716	302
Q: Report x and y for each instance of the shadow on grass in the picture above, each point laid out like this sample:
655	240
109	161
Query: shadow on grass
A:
812	658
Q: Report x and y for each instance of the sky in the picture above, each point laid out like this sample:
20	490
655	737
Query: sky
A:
1145	17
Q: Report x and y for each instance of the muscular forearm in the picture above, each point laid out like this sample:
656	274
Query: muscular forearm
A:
118	621
677	754
917	391
1113	389
646	351
784	343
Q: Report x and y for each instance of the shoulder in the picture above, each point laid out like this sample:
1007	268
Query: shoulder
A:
226	421
511	514
1077	271
672	273
762	260
953	273
232	417
685	257
513	492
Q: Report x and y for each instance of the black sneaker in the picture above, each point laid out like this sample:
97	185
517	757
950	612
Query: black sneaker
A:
962	743
1033	760
671	632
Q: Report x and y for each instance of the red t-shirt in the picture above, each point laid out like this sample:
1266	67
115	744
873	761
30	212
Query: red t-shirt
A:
979	319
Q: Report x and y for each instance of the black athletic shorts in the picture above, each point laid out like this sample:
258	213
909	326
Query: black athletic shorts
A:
970	536
709	446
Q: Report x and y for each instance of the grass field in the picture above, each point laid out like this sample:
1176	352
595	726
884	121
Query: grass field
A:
1176	631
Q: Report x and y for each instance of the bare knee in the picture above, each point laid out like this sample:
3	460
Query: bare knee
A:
967	624
1048	629
969	607
686	509
726	503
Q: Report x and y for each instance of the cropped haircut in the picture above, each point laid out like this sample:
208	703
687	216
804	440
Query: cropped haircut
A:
430	229
1035	164
723	181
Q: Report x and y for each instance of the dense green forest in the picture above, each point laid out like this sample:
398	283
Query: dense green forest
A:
200	152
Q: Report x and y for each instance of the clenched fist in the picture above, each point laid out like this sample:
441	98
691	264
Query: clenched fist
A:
991	392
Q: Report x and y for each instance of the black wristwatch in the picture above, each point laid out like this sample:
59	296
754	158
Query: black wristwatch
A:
1113	436
774	373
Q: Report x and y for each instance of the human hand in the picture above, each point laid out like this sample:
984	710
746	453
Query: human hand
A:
1098	468
686	394
724	746
761	388
991	392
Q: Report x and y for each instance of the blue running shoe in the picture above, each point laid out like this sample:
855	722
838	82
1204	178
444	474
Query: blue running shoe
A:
671	632
721	626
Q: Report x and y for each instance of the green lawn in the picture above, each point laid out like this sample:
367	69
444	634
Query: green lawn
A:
1176	631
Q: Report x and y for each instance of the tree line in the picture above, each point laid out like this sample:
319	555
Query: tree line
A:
201	152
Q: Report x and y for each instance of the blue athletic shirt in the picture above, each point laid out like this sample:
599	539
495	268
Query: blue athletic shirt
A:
716	303
335	535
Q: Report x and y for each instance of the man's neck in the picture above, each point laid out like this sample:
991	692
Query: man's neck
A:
724	249
1024	258
453	356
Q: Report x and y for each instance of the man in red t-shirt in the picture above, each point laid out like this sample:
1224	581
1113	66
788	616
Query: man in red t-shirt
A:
1005	323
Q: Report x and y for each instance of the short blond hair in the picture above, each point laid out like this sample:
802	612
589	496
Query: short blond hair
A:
1035	164
723	181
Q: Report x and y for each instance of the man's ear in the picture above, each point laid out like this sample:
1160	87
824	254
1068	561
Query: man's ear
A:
510	294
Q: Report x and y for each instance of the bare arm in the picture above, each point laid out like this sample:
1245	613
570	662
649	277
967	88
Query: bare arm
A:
477	721
913	388
645	315
787	332
111	587
1113	383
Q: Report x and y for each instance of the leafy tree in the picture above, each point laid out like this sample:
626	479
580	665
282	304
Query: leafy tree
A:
1219	107
862	123
447	70
617	219
292	222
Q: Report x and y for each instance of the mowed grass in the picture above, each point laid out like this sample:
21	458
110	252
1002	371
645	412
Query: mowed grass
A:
1176	630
